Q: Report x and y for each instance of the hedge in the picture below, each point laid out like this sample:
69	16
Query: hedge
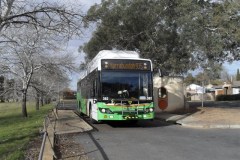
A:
233	97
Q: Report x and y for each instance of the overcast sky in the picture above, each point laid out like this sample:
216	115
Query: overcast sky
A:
74	44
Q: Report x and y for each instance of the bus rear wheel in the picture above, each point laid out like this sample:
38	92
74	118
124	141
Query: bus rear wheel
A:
80	109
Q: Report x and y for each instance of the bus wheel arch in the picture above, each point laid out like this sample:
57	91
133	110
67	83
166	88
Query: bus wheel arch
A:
89	109
80	108
79	105
93	121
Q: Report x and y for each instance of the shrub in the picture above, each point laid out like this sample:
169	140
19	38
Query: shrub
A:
234	97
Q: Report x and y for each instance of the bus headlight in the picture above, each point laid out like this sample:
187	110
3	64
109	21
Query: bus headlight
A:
147	110
105	110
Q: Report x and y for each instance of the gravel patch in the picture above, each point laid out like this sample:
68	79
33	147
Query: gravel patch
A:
33	149
68	149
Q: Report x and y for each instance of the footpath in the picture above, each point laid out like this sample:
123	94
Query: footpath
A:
64	122
205	117
69	122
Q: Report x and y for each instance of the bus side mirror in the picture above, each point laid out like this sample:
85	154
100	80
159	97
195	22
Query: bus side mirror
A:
160	72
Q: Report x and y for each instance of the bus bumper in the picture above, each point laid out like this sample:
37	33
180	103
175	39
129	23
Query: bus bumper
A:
125	117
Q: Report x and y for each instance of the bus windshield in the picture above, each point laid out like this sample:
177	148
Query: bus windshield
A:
126	85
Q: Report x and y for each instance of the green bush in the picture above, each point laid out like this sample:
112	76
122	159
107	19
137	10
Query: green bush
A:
234	97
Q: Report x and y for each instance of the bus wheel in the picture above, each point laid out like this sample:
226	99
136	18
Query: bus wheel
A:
80	109
93	121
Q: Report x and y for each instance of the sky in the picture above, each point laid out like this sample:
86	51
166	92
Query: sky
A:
232	67
74	44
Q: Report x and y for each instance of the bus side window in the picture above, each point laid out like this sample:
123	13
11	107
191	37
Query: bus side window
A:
94	88
78	86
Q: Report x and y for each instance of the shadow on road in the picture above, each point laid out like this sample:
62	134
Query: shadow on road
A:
137	124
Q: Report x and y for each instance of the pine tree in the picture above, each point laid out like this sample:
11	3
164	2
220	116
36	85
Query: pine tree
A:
238	75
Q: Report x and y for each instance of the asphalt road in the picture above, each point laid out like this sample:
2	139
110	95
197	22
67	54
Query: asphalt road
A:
158	140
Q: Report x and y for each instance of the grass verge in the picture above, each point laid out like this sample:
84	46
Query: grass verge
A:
17	131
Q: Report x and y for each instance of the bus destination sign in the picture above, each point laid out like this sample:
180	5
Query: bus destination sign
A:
120	64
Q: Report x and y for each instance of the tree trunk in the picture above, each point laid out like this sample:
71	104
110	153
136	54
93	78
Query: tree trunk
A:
46	100
24	103
42	100
37	101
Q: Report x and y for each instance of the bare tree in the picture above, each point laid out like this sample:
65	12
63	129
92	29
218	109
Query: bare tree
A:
60	18
30	54
225	76
48	82
36	29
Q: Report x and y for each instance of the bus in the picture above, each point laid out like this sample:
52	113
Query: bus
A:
117	85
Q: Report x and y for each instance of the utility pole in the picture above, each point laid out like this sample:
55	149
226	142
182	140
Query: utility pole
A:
0	8
202	90
203	78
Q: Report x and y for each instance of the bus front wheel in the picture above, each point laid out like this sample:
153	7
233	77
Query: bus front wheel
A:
93	121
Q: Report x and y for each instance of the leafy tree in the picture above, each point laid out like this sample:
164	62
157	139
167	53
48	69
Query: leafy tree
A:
178	34
217	31
217	82
189	79
212	71
142	26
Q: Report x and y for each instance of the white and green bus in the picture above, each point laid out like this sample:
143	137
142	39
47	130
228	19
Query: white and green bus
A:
117	86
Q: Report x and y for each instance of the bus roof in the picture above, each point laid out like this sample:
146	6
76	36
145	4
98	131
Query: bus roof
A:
107	54
110	54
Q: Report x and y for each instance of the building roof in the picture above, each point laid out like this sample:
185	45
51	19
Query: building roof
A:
195	88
